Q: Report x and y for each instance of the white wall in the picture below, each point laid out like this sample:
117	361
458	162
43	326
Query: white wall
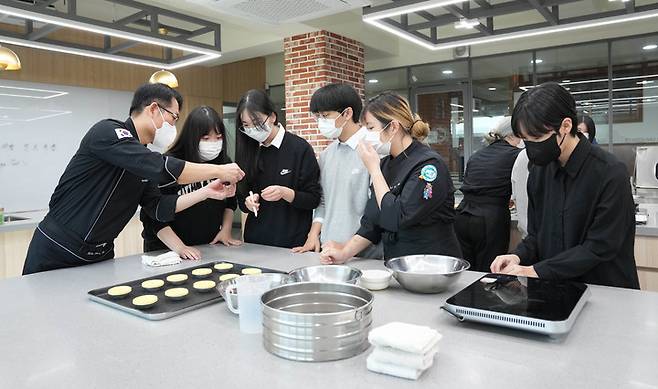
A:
40	134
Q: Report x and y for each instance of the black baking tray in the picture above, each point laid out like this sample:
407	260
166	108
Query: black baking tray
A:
165	307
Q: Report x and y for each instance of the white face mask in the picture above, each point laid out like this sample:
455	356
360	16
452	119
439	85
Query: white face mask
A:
374	138
521	144
165	135
209	150
586	134
328	127
259	134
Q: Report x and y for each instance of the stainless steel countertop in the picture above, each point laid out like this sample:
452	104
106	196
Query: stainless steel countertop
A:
52	336
32	219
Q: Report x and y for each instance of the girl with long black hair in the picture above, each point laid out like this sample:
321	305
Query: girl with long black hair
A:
202	140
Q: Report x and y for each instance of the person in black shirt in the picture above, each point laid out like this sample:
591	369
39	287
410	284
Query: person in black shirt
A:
110	175
587	127
581	215
202	141
483	218
411	206
282	187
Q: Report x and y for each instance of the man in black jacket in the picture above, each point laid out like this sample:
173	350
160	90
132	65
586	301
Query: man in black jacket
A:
111	174
581	215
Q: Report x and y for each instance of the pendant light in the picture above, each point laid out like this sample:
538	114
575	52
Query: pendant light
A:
8	59
164	77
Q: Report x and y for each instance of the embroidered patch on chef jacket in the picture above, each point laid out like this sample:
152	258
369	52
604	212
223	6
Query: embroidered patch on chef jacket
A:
123	133
427	192
428	173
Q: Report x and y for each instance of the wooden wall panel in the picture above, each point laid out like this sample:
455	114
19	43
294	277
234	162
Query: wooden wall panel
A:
242	76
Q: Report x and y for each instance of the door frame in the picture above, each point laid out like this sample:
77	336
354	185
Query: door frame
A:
462	87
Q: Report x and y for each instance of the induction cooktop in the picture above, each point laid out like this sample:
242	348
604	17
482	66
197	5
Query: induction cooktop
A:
531	304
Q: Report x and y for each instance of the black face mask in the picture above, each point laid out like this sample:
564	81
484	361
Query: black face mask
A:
544	152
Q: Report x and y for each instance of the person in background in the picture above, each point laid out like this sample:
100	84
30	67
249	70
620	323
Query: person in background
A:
581	214
587	127
202	140
520	172
283	184
411	206
111	174
344	178
483	217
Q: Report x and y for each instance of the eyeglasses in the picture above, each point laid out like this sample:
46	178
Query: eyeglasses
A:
174	115
317	115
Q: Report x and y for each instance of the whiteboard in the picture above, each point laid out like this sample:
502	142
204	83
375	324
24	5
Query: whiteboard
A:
41	126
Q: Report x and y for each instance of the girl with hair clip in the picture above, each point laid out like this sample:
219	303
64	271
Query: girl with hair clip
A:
411	205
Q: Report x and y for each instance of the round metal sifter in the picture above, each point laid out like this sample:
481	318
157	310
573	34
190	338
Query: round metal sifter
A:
311	321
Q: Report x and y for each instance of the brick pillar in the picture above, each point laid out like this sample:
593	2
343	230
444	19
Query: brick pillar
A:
311	61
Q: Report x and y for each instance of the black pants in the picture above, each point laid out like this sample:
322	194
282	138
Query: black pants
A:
45	254
483	234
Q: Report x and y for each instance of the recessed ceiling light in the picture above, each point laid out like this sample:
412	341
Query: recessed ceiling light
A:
448	71
566	81
650	47
466	23
492	88
373	81
567	88
538	60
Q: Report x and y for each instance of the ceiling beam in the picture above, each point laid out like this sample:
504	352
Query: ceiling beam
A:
480	13
132	18
483	4
43	31
544	12
45	3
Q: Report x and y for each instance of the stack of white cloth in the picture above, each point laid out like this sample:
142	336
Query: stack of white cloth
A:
402	349
166	259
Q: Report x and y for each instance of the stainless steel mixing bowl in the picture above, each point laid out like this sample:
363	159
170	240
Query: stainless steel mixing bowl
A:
327	273
427	273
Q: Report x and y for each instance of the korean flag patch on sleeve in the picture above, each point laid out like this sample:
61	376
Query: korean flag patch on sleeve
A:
123	133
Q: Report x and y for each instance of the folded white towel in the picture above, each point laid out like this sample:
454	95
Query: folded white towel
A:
404	359
166	259
405	337
398	371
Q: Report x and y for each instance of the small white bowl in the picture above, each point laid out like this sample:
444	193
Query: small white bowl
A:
375	279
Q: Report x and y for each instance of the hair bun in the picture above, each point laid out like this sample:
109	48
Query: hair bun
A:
419	129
